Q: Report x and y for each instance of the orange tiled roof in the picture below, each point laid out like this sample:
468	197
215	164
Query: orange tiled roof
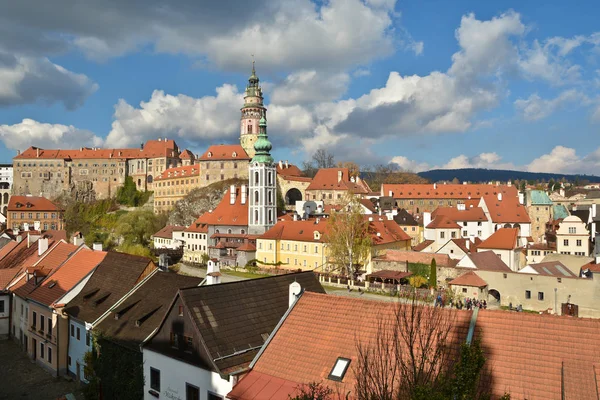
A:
502	239
179	172
227	214
224	152
31	203
167	231
442	222
507	210
448	191
7	275
290	170
186	155
469	279
488	261
67	276
301	231
423	245
328	179
197	227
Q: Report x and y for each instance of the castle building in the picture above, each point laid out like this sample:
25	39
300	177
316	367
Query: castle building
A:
262	210
252	112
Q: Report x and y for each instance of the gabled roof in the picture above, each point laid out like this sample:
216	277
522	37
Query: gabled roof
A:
67	276
227	214
288	170
302	231
235	319
539	198
488	261
368	204
247	247
30	204
405	218
222	152
445	191
468	279
553	268
507	210
559	211
442	222
179	172
114	277
146	307
186	155
330	179
167	231
423	245
502	239
197	227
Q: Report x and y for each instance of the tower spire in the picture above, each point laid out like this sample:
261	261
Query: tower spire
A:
262	146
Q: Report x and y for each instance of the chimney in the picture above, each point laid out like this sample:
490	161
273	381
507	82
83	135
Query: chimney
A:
78	240
141	146
434	186
464	182
16	231
562	192
500	196
509	183
339	176
460	207
378	234
19	238
159	139
370	219
426	219
18	152
468	244
280	164
286	164
25	226
37	152
295	290
295	217
390	193
243	194
213	272
232	195
97	247
42	246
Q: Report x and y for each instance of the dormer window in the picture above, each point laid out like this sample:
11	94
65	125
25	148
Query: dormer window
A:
317	235
339	369
209	155
234	154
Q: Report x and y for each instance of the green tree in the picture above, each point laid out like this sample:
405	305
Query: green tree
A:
433	274
128	193
136	227
348	238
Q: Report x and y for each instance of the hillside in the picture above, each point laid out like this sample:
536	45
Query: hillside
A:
485	175
200	200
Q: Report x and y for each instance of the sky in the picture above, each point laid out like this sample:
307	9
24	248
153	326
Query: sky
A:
423	84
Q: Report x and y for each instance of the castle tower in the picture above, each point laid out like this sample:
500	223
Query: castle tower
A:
262	207
252	111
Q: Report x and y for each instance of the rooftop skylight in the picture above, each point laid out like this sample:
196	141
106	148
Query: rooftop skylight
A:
339	369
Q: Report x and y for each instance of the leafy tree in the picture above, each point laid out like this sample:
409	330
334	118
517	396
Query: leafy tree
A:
433	274
348	238
417	281
129	195
136	227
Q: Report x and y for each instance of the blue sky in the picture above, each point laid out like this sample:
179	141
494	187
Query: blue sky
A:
423	84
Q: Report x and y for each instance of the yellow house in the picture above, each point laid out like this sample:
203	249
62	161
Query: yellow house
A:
302	244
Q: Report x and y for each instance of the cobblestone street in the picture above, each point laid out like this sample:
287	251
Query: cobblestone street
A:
22	379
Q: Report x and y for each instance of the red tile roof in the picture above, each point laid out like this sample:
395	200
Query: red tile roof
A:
7	275
423	245
448	191
186	155
289	170
179	172
552	268
469	279
329	179
507	210
197	227
167	231
488	261
227	214
67	276
502	239
442	222
302	231
30	203
224	152
247	247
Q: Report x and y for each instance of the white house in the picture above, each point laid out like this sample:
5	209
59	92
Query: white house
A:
170	237
573	237
196	242
505	244
506	212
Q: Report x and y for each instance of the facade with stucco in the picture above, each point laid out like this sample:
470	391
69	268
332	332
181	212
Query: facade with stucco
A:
573	237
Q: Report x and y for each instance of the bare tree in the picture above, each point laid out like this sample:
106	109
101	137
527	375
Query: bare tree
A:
353	168
323	158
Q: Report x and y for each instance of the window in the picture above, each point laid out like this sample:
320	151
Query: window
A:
78	334
528	294
465	233
505	276
174	340
540	296
566	242
442	235
49	326
42	321
42	350
69	361
154	379
49	354
339	369
453	235
192	392
572	229
464	290
87	338
559	280
578	243
180	311
212	396
189	342
2	307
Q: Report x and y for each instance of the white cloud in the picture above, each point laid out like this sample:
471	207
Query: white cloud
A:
566	160
410	165
22	135
203	120
535	108
309	86
25	80
484	160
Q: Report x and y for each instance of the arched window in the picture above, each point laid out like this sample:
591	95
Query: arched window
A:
270	216
149	179
256	216
256	178
270	198
229	231
243	231
270	178
256	197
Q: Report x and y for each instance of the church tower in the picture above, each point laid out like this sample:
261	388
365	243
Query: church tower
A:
252	111
262	208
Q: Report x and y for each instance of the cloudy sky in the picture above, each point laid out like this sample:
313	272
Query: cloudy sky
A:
423	84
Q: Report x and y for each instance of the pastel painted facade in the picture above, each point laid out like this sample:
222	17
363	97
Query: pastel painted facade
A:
252	111
5	305
80	342
170	237
196	242
573	237
173	185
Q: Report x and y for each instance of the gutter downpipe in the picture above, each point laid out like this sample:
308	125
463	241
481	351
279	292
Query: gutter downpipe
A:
472	325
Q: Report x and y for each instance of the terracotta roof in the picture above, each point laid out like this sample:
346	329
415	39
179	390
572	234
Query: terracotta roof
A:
368	204
67	276
289	171
4	251
445	191
553	268
423	245
507	210
225	152
442	222
468	214
151	149
242	315
502	239
186	155
469	279
305	347
386	231
592	266
179	172
7	275
247	247
146	306
302	231
462	244
328	179
488	261
541	246
227	214
112	279
167	231
197	227
442	260
31	203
